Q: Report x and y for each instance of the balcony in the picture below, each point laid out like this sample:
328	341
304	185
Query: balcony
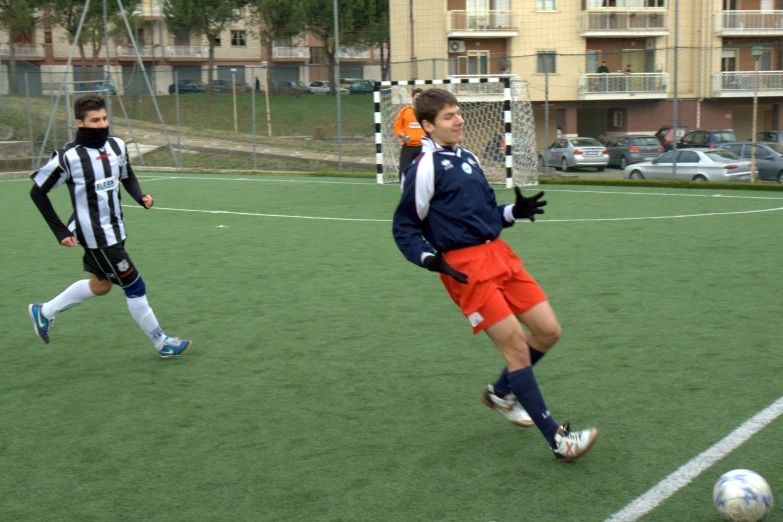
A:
618	86
483	24
290	53
187	51
735	84
149	11
749	23
624	23
23	51
354	54
146	51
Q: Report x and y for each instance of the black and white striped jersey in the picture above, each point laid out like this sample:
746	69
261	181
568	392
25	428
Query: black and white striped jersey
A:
93	179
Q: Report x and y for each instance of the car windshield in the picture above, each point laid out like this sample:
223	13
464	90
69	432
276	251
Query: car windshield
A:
646	142
586	142
721	155
724	136
775	147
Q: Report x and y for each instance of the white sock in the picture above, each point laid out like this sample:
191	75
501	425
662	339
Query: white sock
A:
75	294
145	317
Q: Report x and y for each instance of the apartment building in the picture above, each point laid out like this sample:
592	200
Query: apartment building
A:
239	54
558	46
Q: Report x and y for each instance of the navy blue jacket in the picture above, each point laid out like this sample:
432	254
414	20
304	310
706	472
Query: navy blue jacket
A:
446	199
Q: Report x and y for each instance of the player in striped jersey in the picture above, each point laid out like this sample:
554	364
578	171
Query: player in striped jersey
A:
447	202
92	167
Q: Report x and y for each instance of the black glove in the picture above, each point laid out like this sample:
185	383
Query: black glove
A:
436	263
527	208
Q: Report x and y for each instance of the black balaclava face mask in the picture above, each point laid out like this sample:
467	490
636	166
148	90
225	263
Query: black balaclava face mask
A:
92	138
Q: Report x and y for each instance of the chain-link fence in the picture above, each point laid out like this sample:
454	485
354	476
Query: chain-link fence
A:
265	118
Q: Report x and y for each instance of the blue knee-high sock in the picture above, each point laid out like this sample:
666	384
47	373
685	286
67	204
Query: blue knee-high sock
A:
501	386
523	384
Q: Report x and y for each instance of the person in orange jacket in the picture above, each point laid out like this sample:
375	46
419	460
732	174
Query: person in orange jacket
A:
408	129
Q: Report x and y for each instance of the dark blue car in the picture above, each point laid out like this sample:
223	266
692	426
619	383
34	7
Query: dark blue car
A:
188	87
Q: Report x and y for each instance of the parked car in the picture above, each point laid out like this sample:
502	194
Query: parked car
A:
712	139
226	86
775	136
625	150
666	135
345	82
323	87
295	84
769	157
567	153
692	165
188	87
361	87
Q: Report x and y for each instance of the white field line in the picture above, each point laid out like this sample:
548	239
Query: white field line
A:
686	473
371	220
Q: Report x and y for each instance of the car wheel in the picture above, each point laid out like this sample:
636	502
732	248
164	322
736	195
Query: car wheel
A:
699	178
564	165
623	162
780	177
637	175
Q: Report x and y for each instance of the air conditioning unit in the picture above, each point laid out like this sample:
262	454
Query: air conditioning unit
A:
456	46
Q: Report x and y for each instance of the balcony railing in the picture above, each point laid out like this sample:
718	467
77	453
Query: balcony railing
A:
483	23
23	50
187	51
749	23
615	86
355	53
149	10
146	51
290	52
623	23
743	83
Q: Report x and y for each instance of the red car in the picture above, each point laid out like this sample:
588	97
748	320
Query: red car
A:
666	135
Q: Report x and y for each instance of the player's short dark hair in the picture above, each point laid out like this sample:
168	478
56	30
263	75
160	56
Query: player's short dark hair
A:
416	91
431	102
87	103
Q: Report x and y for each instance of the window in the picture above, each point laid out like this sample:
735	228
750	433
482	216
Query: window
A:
667	157
238	39
217	41
735	149
688	157
547	62
545	5
617	119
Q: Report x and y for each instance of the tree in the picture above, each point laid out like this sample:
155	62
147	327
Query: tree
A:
374	32
17	18
277	19
352	18
68	13
206	18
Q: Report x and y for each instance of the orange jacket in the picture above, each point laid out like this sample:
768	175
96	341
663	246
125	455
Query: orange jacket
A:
406	123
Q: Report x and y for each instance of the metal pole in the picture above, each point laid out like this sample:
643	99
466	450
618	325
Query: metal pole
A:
755	120
337	86
106	70
29	122
68	117
253	113
2	90
546	115
675	122
234	91
51	102
266	96
176	109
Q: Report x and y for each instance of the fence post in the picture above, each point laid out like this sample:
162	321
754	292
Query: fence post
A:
176	109
29	122
253	112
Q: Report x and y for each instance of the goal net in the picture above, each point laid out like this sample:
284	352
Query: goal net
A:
499	127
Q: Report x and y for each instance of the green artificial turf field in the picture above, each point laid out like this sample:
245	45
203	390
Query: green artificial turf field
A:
331	380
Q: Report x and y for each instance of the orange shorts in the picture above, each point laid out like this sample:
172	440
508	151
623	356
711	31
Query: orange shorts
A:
498	285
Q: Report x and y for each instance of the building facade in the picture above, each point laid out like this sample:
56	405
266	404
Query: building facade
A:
239	54
605	68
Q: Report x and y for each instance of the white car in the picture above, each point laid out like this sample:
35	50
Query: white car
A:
692	165
322	87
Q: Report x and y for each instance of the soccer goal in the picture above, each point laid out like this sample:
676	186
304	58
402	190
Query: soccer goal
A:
499	127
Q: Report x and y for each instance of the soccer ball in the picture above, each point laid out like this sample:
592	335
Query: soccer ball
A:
742	496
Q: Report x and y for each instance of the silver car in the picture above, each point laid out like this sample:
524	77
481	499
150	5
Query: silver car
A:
692	165
567	153
322	87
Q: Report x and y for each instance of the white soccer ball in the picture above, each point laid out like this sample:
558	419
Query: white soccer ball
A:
741	495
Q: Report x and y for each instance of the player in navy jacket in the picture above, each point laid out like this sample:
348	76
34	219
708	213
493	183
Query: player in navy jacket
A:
447	203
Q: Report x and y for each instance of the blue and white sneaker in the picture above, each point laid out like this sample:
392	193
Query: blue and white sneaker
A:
41	324
174	347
